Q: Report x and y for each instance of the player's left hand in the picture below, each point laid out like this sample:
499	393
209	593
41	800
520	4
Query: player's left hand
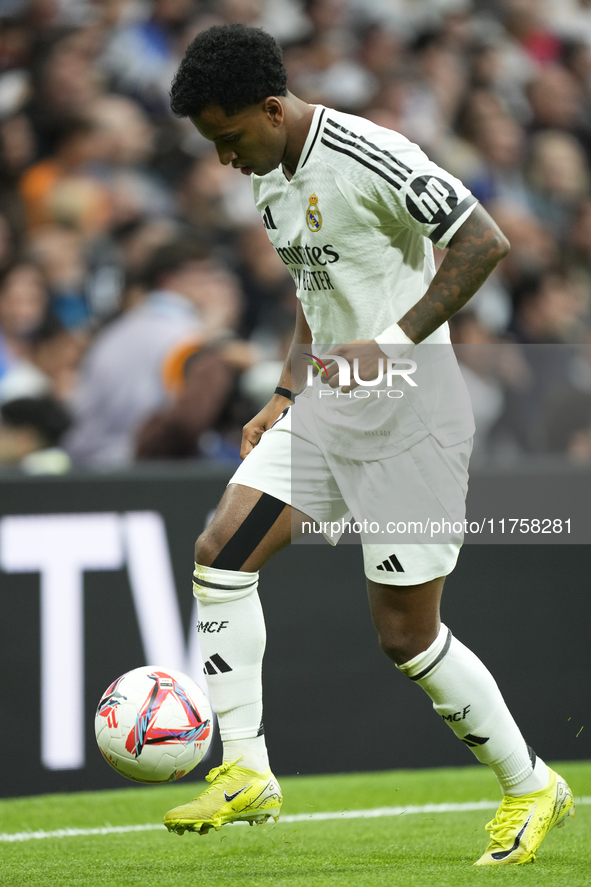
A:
367	352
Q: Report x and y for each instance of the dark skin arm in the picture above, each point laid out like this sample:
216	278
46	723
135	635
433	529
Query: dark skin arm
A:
474	250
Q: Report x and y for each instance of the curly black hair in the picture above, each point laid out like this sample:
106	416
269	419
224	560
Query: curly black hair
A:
232	66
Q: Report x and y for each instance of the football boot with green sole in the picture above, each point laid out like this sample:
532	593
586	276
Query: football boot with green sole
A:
234	795
521	824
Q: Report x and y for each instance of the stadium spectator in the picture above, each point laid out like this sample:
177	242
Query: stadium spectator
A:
549	314
570	18
549	309
51	366
30	433
212	201
526	22
190	298
559	180
127	133
17	145
579	241
63	188
66	81
499	174
6	243
266	282
140	57
533	249
95	173
59	252
207	412
23	307
567	415
556	103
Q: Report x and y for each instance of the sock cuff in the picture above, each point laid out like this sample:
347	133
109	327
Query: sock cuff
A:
425	662
217	586
515	767
242	722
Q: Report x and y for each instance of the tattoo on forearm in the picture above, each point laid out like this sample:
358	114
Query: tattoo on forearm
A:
473	253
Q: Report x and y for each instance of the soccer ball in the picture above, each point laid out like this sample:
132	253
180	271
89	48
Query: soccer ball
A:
153	724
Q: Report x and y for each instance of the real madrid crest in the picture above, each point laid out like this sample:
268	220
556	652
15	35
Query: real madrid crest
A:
314	216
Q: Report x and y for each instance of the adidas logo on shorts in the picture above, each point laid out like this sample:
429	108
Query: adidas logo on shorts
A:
391	565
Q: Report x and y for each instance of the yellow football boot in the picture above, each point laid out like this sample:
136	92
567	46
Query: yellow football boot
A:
521	824
235	795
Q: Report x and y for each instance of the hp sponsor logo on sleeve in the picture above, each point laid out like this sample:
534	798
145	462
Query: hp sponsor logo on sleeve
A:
430	199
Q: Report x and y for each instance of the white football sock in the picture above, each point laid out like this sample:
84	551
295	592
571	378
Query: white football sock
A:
232	639
252	752
466	696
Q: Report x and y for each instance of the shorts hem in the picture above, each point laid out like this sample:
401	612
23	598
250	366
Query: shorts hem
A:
399	579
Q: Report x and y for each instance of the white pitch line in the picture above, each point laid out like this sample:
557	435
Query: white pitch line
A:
78	832
376	812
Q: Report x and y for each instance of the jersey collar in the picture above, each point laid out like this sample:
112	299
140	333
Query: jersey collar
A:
311	138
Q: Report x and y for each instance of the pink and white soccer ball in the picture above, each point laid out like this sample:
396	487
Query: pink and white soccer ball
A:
153	724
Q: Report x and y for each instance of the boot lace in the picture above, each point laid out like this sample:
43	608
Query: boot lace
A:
220	775
508	820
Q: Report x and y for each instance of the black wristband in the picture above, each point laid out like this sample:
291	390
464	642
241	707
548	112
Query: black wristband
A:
284	392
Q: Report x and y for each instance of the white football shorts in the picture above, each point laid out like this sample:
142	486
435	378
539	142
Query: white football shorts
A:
408	509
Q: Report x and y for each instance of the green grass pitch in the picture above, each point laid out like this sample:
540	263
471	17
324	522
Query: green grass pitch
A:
406	850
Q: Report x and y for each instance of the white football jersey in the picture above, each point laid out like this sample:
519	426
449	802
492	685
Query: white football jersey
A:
355	227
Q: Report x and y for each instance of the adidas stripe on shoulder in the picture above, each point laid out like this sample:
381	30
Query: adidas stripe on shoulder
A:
378	160
431	195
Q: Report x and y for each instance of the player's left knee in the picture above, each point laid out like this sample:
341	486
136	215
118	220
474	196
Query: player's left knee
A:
393	645
400	646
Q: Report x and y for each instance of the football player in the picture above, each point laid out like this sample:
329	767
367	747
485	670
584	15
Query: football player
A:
353	211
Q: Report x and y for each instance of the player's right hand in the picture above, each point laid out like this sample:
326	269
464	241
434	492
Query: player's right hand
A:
253	430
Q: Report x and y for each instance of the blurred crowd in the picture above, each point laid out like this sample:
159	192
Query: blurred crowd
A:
143	312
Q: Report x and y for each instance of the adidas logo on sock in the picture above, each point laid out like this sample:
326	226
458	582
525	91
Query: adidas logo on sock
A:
391	565
473	741
216	665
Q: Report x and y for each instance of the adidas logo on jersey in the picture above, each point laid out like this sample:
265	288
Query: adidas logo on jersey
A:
391	565
268	218
216	665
